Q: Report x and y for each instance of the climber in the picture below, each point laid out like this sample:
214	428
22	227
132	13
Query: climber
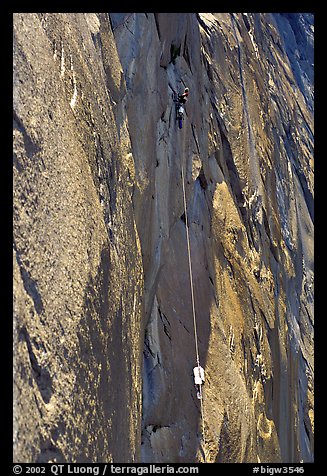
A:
198	379
182	98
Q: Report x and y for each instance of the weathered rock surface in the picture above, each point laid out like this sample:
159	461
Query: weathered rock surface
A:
77	258
100	256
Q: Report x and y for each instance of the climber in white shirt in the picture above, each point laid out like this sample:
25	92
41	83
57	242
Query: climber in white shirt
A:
198	379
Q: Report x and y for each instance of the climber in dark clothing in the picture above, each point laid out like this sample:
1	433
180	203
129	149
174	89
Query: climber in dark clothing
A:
182	98
180	101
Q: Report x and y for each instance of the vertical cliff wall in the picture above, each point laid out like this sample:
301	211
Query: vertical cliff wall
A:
78	277
103	329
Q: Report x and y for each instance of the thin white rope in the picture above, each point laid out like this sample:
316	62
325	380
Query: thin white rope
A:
193	306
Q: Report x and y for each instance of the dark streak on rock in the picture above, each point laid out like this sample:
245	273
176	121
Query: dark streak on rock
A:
30	285
30	147
41	374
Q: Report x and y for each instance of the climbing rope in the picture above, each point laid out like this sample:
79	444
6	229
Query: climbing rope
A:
193	307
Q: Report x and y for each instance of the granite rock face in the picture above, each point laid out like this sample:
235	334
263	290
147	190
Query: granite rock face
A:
103	328
78	278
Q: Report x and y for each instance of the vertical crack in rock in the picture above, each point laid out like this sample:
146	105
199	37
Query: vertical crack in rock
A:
41	374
